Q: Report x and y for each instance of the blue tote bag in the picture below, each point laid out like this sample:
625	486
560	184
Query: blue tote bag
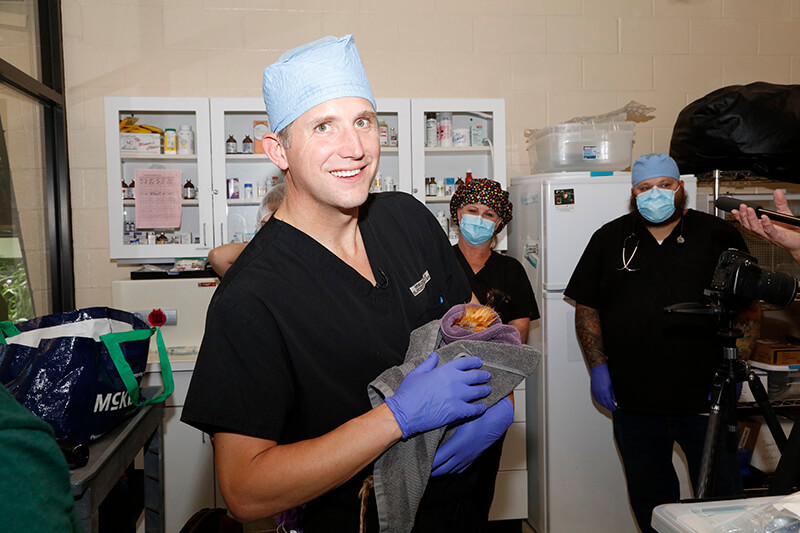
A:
80	370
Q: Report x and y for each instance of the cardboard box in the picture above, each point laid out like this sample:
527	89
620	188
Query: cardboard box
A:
748	434
776	353
765	452
140	142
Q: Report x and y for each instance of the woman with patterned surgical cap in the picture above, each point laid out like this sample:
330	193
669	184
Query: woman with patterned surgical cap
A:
481	209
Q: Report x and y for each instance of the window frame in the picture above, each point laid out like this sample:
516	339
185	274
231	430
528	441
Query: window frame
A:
49	92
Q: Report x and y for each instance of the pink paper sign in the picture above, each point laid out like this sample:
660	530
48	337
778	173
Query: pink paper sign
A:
158	198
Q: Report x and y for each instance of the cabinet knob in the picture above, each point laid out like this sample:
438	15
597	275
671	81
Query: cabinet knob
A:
416	190
215	191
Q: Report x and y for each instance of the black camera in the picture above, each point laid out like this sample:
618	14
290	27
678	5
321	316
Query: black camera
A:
738	274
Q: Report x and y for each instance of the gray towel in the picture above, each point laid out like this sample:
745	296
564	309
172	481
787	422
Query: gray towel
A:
402	472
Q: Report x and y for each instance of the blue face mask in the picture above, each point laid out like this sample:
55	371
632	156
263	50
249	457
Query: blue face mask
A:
657	204
476	230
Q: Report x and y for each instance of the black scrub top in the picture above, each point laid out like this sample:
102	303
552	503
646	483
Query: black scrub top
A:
503	280
659	362
294	335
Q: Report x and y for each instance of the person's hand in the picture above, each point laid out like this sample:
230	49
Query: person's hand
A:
430	397
472	438
602	391
775	232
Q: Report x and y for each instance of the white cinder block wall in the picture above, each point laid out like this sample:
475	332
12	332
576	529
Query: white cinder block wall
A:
550	59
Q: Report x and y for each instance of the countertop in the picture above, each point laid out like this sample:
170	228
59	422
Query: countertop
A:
181	359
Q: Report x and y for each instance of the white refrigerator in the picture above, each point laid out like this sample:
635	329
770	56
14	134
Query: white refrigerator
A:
575	477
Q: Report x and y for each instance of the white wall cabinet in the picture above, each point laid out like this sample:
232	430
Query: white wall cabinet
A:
193	238
213	218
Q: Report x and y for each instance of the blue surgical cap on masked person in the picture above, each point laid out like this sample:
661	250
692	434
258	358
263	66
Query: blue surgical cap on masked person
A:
654	166
311	74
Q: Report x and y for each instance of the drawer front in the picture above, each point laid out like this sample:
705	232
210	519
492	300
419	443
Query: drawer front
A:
514	454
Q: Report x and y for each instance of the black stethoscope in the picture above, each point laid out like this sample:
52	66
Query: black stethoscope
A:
626	262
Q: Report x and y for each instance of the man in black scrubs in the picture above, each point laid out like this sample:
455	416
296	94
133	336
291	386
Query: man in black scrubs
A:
654	370
319	304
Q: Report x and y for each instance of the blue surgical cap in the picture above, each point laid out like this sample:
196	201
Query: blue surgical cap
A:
654	166
311	74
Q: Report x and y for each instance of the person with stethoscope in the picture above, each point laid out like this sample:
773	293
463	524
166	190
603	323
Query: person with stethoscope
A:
481	210
651	369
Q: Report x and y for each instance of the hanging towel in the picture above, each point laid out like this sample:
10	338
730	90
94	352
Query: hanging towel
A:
402	472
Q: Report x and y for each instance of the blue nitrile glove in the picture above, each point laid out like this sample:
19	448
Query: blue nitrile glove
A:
472	438
430	397
602	391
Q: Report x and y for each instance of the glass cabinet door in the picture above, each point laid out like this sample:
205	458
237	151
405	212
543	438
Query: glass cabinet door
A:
454	140
165	143
242	174
394	118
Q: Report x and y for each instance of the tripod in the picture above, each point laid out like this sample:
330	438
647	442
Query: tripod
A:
724	400
723	408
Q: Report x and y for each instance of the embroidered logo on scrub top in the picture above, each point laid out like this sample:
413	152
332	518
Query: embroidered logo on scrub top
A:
419	286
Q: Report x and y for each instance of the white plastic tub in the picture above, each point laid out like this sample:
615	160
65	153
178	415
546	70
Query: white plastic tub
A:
592	147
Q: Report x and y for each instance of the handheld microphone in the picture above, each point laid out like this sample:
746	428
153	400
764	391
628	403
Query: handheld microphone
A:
728	203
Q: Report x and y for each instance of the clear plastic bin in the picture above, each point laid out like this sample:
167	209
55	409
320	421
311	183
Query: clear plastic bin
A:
783	381
706	517
571	147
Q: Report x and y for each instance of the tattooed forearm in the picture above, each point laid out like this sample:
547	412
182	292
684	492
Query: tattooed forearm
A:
590	336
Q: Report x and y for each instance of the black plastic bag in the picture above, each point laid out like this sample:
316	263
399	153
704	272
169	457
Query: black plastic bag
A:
752	127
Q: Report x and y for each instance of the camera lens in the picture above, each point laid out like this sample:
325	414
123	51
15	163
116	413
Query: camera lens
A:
776	288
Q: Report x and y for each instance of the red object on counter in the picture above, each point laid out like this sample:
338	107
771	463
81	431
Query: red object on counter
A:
157	317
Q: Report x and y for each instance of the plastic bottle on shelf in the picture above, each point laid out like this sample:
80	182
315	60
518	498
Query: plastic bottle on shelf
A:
233	188
390	184
430	131
377	183
433	187
247	145
189	190
444	129
475	133
185	140
262	188
383	133
170	141
393	137
453	233
441	217
132	189
440	188
230	145
449	186
468	177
